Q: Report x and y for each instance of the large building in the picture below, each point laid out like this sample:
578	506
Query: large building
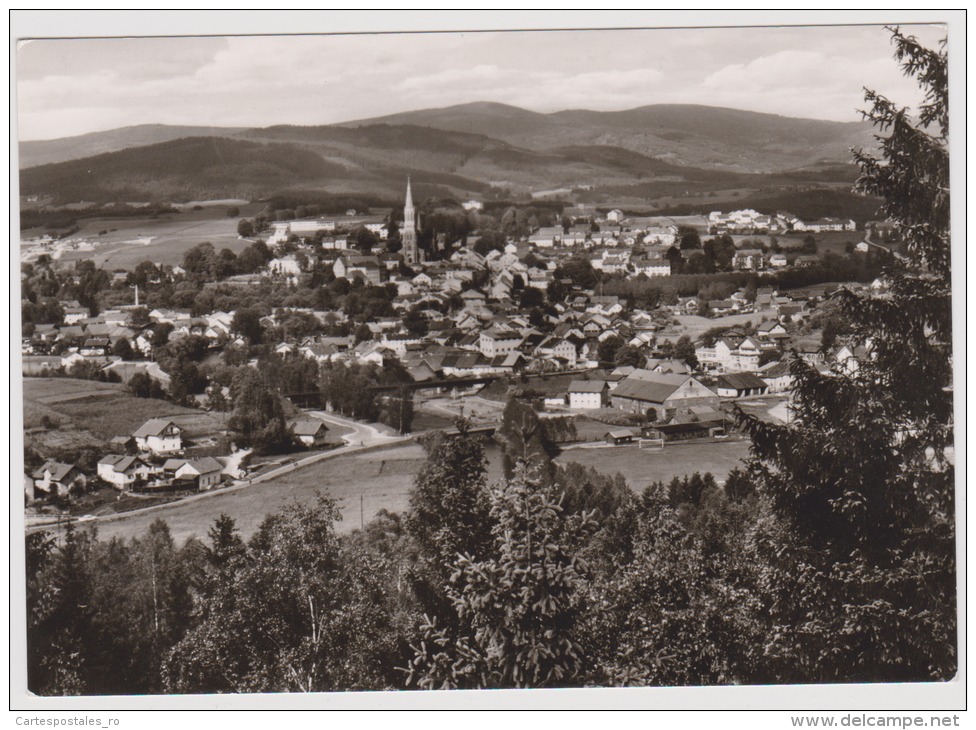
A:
661	395
408	236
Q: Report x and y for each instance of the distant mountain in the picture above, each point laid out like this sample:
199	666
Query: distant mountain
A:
685	134
48	151
182	169
563	151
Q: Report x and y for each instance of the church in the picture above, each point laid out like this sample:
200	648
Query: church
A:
408	236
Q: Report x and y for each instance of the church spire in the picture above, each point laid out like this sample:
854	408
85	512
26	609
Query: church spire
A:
408	236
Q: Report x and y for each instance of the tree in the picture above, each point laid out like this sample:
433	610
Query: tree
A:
122	348
141	384
861	576
291	612
684	349
247	324
245	229
399	412
518	609
258	419
689	238
363	239
233	211
448	511
523	439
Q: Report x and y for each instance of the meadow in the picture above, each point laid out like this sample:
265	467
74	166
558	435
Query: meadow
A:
88	413
169	236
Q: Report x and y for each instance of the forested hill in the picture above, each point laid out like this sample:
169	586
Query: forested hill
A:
686	134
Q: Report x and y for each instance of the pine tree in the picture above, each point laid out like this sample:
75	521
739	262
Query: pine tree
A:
861	579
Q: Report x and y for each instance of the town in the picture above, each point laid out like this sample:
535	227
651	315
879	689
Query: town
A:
398	385
641	331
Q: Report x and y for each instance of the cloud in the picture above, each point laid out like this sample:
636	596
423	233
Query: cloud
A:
68	87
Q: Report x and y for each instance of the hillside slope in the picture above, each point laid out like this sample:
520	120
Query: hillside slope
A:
50	151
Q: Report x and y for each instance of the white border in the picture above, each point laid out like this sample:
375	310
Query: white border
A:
879	698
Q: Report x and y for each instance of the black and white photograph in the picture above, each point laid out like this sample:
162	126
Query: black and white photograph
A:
482	355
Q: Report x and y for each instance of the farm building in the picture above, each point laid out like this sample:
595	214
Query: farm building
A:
619	436
740	385
697	422
588	394
661	395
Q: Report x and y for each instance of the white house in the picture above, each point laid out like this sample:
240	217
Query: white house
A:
588	394
498	342
310	432
122	471
203	473
57	477
159	436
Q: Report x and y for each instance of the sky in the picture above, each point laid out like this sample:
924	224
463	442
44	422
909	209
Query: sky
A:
67	87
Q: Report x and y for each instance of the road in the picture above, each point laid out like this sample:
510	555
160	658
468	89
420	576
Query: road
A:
363	434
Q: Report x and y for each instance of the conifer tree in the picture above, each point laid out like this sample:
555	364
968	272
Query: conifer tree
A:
861	579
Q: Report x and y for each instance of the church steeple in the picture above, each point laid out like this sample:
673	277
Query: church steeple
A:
408	205
408	236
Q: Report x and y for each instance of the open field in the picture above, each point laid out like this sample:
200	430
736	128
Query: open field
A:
641	467
129	241
88	413
693	325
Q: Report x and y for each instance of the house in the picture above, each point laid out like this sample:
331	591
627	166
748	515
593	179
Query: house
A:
499	342
660	395
203	474
825	224
588	394
310	432
350	266
777	376
95	347
619	436
55	477
159	436
771	330
740	385
748	259
729	354
651	266
123	471
73	315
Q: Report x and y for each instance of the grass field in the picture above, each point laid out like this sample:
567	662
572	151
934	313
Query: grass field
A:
168	237
88	413
641	467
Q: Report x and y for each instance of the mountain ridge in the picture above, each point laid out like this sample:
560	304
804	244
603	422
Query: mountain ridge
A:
686	134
